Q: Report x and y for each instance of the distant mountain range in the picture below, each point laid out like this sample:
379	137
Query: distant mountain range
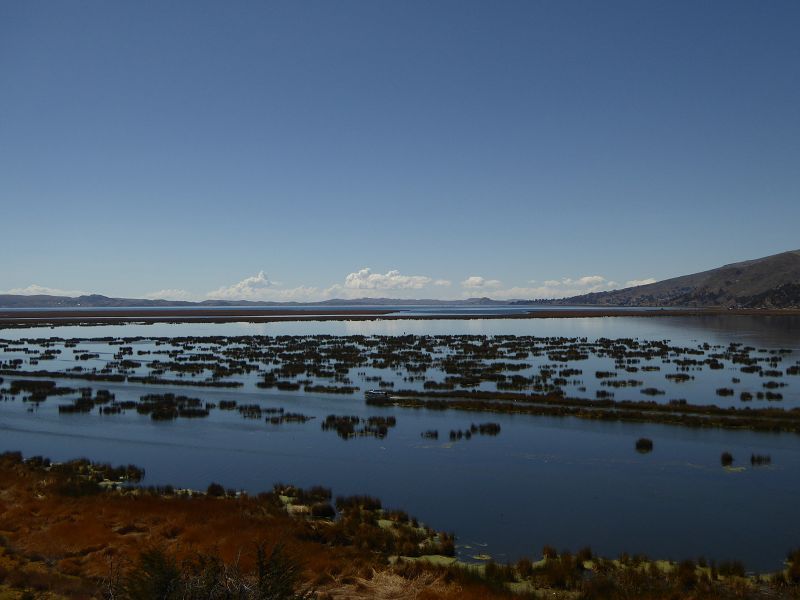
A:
770	282
98	301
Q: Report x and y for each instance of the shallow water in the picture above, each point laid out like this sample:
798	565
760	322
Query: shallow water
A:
557	481
772	332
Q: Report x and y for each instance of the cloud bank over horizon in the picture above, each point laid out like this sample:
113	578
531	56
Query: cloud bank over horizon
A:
40	290
550	288
475	282
365	283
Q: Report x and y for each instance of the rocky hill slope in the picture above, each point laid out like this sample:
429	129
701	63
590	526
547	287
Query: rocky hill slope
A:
769	282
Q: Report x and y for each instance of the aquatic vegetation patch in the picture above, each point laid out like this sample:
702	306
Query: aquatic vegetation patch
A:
347	427
491	429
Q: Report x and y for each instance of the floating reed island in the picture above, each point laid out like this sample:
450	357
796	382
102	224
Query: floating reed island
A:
623	379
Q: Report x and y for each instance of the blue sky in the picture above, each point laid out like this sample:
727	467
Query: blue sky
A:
304	150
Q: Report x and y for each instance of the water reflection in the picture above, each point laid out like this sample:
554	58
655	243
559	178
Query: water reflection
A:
768	331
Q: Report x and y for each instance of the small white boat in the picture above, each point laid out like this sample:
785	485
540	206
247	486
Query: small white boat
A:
376	395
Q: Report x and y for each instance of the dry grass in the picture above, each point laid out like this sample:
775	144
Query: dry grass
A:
389	585
67	546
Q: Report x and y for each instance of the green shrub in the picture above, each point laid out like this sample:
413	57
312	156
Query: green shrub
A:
215	490
278	576
155	577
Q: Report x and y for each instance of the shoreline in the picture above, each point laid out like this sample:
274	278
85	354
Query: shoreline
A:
352	550
48	317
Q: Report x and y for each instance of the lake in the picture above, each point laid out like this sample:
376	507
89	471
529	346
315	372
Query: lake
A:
543	480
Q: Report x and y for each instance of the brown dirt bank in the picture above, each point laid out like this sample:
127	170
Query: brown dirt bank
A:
47	317
59	540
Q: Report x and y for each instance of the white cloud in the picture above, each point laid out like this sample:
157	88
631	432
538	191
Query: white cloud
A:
361	283
260	288
588	280
366	284
37	290
365	279
297	294
638	282
557	288
475	282
249	288
170	294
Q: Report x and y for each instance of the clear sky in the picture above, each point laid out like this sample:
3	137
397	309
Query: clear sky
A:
303	150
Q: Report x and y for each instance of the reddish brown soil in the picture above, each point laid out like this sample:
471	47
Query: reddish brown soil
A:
65	546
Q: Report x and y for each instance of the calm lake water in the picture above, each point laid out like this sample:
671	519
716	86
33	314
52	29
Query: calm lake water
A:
556	481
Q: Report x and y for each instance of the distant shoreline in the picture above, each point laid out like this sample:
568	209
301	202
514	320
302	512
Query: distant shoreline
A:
49	317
